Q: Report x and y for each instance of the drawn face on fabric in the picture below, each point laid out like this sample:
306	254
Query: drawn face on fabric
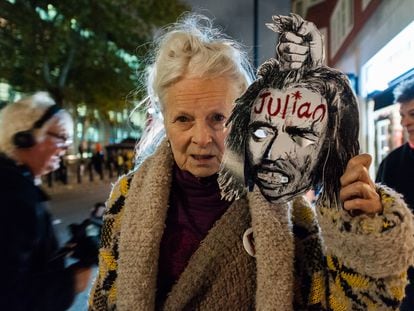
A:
286	133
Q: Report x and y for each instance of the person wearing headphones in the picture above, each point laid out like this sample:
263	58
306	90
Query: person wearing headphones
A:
34	134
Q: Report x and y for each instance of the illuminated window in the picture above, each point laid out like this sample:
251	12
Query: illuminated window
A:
393	60
382	131
92	134
81	109
79	130
111	115
4	91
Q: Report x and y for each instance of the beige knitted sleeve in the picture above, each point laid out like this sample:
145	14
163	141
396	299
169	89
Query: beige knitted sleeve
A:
367	257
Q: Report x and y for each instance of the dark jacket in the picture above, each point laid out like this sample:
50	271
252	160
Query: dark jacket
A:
397	172
32	279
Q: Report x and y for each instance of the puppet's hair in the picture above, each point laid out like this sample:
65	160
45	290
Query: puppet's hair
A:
341	139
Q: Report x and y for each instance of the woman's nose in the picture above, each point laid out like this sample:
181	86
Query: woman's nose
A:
202	134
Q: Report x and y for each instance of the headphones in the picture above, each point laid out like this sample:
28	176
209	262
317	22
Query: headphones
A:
26	139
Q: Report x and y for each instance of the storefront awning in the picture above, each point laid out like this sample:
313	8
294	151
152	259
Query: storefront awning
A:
386	97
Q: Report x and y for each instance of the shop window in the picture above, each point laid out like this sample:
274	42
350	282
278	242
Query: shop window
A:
382	138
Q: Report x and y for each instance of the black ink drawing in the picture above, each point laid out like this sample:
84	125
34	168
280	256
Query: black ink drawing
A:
291	130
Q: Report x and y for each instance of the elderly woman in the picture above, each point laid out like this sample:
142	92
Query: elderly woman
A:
170	242
34	134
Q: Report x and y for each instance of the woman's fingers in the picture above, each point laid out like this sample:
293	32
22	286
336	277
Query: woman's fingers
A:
357	189
357	170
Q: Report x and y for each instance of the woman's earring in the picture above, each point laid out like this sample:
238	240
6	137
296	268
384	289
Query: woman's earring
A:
168	144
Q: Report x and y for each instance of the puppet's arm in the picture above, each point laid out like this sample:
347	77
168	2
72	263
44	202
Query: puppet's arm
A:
300	42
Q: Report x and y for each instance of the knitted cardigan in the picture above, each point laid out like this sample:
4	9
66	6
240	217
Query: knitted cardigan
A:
336	263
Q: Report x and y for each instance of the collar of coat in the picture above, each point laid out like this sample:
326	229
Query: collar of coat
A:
142	227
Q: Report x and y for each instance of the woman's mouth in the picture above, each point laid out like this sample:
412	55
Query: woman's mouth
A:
202	157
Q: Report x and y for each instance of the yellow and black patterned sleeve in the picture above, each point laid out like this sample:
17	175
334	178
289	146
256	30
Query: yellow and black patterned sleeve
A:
367	257
103	293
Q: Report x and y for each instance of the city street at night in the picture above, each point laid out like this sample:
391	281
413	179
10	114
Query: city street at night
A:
262	154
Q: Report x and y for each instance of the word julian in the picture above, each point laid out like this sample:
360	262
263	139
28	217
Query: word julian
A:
275	107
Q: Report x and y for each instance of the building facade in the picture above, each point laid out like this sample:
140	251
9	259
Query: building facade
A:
91	127
373	42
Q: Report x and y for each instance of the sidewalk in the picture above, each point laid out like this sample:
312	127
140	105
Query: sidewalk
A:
86	185
71	203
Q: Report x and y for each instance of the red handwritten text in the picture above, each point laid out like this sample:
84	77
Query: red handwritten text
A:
279	106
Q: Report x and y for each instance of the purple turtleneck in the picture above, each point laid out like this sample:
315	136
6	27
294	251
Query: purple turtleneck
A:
195	205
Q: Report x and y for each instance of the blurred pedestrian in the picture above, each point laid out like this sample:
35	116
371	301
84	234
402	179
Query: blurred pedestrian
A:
34	134
98	160
397	169
62	171
82	156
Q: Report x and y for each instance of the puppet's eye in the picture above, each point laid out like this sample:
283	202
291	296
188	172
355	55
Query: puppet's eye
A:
303	141
260	133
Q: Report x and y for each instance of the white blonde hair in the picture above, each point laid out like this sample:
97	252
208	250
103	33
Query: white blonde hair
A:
21	116
190	47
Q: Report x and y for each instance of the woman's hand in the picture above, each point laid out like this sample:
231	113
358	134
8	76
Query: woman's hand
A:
294	48
358	192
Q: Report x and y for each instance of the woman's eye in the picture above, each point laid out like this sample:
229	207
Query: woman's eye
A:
182	119
219	118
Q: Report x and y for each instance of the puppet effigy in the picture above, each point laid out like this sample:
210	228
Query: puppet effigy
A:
291	130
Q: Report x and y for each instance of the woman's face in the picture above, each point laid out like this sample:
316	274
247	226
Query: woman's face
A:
44	156
195	112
